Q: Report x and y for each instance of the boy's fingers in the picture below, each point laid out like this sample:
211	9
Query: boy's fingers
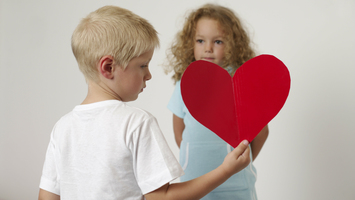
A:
246	153
241	148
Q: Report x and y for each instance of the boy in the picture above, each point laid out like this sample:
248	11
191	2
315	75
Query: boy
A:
105	149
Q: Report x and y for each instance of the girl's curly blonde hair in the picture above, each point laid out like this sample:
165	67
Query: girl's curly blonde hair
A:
237	50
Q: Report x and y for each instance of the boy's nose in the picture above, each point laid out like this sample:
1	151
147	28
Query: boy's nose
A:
148	76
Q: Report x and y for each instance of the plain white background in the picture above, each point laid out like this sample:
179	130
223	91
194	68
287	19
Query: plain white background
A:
309	153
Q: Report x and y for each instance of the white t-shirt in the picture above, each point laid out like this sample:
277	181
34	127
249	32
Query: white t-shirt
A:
107	150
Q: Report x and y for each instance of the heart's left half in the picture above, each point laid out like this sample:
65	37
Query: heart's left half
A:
236	108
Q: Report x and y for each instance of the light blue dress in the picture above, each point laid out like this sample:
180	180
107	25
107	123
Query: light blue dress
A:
201	151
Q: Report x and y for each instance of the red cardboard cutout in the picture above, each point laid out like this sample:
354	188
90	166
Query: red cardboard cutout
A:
236	108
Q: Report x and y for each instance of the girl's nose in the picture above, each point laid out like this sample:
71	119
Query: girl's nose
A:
208	47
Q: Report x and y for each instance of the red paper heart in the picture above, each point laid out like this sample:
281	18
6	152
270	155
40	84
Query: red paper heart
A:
236	108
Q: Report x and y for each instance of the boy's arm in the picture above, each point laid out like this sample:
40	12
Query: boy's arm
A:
45	195
259	141
234	162
178	126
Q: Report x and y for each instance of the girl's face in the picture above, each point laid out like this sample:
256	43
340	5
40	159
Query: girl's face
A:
209	41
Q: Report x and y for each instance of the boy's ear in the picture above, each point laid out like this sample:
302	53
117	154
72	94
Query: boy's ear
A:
106	64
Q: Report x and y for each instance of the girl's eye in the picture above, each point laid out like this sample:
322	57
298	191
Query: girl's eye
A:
144	66
219	42
199	41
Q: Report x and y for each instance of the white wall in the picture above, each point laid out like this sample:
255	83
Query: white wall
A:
309	153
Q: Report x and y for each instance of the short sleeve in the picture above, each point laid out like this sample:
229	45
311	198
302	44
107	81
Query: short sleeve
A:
176	104
153	162
49	179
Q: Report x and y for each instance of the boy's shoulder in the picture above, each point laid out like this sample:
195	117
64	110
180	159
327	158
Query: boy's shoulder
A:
131	110
112	114
108	109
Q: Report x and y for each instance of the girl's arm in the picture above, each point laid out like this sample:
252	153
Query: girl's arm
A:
195	189
178	126
259	141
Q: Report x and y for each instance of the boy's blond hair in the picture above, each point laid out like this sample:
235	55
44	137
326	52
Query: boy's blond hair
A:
114	31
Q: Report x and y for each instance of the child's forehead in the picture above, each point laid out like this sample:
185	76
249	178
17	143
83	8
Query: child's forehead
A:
210	20
146	56
206	25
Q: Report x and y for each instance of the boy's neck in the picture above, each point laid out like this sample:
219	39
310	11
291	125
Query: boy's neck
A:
99	92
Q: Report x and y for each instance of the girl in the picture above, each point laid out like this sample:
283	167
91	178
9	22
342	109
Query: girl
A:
212	33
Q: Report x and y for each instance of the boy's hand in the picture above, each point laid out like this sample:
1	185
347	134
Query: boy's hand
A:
238	159
196	188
